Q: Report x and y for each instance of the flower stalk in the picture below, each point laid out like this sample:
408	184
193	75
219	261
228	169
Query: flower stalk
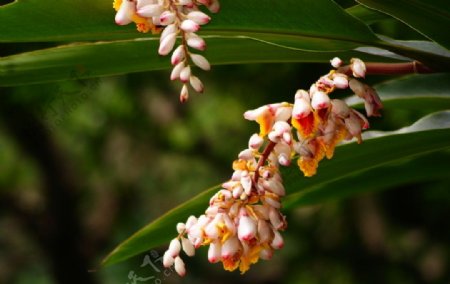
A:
243	222
377	68
173	19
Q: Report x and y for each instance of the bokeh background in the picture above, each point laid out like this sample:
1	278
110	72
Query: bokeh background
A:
86	163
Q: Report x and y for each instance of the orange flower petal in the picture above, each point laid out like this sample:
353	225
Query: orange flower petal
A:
306	126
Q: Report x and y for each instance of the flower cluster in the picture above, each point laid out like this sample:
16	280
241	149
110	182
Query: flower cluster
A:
175	18
243	221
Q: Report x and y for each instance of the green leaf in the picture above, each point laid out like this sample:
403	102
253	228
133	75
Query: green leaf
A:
108	58
70	20
294	32
429	17
425	168
368	16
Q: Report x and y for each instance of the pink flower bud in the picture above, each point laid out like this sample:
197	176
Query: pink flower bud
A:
142	3
275	219
189	26
283	113
212	231
246	154
175	74
179	266
274	186
184	94
178	55
255	142
196	42
336	62
174	247
200	61
237	191
167	18
230	247
167	43
196	84
192	220
168	260
277	242
340	81
125	13
246	229
353	125
302	105
170	29
185	74
320	100
198	17
254	114
358	67
151	10
188	247
214	6
246	182
215	252
181	227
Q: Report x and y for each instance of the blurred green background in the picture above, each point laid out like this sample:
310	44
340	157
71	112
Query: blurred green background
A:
85	163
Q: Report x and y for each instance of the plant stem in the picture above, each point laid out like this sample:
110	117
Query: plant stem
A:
262	160
375	68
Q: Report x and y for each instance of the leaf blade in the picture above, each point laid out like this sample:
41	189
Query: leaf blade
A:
398	146
422	15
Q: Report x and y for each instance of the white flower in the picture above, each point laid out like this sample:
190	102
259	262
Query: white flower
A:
125	13
215	252
255	142
168	260
179	266
198	17
277	242
167	43
196	84
188	247
302	105
358	67
189	26
336	62
246	229
152	10
230	247
174	248
320	100
200	61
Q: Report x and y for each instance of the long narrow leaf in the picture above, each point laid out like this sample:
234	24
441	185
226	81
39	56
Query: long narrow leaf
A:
350	158
119	57
423	15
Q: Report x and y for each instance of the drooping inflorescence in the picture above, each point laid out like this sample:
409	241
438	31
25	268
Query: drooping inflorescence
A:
243	221
174	19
